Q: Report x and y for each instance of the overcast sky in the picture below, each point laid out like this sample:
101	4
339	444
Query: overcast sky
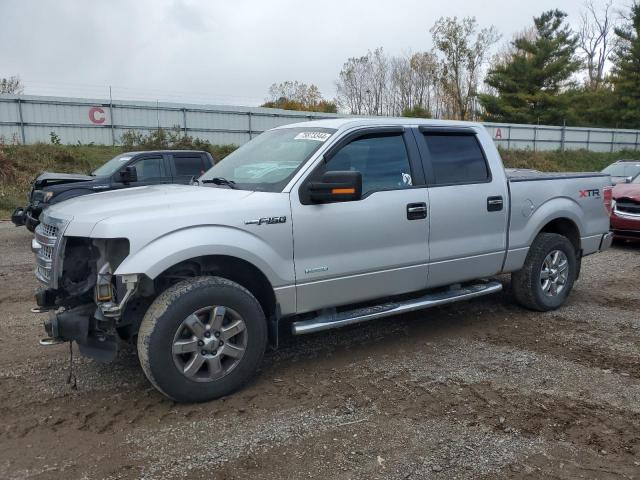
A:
221	51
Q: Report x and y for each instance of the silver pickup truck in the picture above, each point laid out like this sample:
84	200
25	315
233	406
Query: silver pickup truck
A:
310	226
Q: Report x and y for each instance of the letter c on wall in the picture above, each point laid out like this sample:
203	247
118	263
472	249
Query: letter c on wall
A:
97	115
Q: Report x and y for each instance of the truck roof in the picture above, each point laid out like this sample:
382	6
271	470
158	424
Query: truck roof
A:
347	122
138	152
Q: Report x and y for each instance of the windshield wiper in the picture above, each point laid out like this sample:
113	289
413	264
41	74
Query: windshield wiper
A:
220	181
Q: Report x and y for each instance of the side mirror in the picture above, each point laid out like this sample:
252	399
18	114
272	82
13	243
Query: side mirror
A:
129	174
628	180
336	187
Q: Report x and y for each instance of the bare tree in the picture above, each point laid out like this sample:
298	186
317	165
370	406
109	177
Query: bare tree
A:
596	28
352	85
11	85
463	52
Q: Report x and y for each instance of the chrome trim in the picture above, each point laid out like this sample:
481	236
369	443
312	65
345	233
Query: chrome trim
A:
625	214
43	262
607	240
35	246
48	247
43	239
334	320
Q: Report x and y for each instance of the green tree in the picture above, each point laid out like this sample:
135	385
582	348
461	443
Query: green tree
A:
416	112
626	69
528	85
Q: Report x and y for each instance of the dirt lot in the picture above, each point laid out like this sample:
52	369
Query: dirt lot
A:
477	390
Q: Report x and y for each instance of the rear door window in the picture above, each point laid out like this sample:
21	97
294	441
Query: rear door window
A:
188	165
456	158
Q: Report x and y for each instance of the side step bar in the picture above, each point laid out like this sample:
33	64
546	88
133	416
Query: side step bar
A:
331	319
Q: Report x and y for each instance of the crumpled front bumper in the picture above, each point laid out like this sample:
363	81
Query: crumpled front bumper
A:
27	216
18	216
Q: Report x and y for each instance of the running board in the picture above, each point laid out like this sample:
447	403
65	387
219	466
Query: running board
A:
332	319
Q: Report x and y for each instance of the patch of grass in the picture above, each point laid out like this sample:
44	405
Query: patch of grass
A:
567	161
20	164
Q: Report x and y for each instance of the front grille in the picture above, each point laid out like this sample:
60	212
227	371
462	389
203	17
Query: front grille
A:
626	206
47	241
49	230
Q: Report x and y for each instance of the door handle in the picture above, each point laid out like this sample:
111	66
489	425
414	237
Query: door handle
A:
416	211
495	204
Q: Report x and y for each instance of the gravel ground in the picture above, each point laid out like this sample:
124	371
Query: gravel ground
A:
481	389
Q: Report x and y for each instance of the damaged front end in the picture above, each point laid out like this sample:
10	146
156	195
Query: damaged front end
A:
84	300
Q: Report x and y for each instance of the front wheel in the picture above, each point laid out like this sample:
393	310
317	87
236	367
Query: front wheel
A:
548	274
201	339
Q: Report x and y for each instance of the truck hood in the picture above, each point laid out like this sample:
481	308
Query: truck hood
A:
627	190
51	178
134	206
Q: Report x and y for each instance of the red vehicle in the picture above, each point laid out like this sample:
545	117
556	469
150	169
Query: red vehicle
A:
625	210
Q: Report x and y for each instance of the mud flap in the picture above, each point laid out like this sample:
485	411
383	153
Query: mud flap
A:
103	349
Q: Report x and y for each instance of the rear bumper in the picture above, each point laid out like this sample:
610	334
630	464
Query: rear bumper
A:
607	240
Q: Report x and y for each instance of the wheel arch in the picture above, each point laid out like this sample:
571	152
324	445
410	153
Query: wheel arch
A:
232	268
566	227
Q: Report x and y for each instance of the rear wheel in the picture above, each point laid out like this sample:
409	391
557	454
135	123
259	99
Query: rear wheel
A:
201	339
545	281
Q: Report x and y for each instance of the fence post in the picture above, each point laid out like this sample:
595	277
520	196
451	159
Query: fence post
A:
113	128
563	135
184	120
613	139
113	131
635	147
250	127
24	140
509	137
535	137
589	139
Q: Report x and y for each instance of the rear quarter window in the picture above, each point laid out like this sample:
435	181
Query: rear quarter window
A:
189	165
456	158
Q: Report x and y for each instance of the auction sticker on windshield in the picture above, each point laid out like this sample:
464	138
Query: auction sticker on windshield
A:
317	136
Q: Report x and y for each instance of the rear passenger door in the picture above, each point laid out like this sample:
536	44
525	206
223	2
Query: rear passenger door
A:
187	166
467	207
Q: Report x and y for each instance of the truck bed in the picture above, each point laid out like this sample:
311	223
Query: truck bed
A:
530	175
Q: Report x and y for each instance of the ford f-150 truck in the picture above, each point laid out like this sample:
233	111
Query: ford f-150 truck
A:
313	226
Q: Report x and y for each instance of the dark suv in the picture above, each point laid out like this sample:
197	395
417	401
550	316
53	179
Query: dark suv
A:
133	169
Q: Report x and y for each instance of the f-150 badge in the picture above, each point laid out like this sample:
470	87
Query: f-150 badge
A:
266	220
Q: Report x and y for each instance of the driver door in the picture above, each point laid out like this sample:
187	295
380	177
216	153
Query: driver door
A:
352	251
150	169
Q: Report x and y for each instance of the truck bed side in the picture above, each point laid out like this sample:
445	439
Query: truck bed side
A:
571	203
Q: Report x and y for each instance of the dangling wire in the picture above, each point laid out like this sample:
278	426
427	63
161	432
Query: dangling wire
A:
71	378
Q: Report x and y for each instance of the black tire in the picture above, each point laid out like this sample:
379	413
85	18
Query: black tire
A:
165	317
527	284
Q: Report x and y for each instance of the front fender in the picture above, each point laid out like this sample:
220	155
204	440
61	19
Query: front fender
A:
177	246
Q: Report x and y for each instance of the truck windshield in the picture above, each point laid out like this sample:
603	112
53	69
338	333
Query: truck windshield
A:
270	160
112	165
629	169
